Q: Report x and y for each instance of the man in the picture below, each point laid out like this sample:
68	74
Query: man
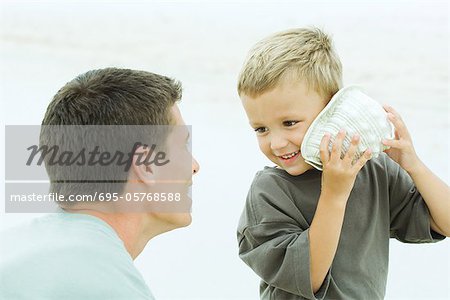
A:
87	250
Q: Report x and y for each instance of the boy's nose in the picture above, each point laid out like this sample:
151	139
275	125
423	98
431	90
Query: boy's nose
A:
195	166
278	142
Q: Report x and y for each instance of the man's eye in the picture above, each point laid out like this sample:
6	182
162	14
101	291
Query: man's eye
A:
260	129
289	123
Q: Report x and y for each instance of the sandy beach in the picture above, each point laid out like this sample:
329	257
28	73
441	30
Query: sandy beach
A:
397	50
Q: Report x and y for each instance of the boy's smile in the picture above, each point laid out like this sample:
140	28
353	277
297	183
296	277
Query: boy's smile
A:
280	118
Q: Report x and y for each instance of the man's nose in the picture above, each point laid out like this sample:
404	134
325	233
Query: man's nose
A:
195	166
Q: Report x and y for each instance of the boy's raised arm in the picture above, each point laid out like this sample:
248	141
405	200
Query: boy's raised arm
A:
435	192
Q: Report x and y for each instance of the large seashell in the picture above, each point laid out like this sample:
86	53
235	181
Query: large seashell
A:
354	111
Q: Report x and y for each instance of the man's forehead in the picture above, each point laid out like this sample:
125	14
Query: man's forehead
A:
180	130
176	115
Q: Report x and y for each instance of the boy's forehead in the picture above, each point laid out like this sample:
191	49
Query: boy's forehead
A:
282	95
286	100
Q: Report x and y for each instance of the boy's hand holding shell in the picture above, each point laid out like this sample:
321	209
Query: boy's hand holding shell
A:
401	147
339	172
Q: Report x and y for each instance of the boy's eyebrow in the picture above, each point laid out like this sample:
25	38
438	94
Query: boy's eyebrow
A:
254	124
284	118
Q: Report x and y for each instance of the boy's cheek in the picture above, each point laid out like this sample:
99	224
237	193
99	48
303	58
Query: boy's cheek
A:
263	150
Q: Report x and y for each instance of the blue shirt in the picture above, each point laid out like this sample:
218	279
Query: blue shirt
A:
67	256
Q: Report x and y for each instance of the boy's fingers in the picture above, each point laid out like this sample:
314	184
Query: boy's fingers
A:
363	159
352	149
390	109
324	154
336	150
398	123
396	135
392	143
397	120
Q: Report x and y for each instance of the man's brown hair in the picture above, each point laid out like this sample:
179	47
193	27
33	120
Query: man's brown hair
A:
110	96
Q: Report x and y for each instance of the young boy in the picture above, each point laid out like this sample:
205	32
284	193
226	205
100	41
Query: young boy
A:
313	234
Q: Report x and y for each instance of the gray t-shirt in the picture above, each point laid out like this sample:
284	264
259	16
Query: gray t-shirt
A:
273	231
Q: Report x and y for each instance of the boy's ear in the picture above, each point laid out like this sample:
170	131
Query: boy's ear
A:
143	173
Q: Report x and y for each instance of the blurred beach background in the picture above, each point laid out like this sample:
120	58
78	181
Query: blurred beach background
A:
397	50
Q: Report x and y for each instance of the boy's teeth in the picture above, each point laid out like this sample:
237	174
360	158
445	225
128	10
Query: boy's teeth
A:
289	155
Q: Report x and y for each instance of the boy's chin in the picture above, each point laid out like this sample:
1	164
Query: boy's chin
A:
297	169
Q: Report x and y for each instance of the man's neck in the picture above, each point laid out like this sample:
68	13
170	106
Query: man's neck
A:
134	229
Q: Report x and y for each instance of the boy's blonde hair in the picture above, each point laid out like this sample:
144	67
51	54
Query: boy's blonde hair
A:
299	54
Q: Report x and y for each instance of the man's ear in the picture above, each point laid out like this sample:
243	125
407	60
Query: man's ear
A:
143	173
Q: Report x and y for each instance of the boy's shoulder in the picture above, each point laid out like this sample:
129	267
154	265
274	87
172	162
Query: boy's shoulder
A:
272	198
273	187
381	166
268	175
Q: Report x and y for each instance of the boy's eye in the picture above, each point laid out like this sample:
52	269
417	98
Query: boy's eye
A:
260	129
289	123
